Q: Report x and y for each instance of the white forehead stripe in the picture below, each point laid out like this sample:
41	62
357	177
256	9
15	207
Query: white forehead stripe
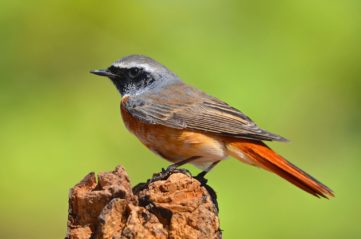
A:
128	65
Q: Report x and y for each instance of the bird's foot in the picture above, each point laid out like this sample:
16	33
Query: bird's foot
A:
203	181
169	169
167	172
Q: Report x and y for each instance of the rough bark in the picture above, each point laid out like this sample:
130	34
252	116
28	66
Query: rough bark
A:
174	205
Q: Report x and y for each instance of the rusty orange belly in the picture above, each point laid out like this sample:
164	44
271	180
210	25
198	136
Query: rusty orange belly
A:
176	144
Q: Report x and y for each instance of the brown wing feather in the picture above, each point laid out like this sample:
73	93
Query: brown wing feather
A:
184	107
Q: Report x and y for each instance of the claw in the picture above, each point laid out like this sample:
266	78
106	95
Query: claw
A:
167	172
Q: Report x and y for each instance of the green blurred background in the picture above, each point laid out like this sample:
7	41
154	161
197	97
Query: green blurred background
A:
292	66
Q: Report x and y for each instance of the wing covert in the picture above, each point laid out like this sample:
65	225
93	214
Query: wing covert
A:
184	107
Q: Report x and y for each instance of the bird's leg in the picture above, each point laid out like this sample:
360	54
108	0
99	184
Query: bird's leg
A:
172	167
200	176
166	172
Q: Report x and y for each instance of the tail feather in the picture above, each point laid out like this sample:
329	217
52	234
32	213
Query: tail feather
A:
259	154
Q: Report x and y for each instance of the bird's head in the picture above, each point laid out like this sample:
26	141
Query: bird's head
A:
136	73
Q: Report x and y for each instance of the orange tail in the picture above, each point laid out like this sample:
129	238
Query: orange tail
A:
259	154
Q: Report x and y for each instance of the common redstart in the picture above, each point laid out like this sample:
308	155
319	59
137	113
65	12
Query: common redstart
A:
185	125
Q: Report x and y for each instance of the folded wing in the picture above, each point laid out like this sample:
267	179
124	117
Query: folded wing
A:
184	107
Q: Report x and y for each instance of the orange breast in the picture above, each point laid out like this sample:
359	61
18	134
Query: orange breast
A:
175	144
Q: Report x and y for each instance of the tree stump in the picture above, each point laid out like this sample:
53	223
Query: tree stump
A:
175	205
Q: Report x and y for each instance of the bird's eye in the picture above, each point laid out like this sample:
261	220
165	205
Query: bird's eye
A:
133	72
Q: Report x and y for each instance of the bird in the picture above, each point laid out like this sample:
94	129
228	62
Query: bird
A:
183	124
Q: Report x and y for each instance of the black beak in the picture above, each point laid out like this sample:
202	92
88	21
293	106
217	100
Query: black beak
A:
103	73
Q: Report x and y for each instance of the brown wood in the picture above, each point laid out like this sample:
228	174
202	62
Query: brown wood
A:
175	205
